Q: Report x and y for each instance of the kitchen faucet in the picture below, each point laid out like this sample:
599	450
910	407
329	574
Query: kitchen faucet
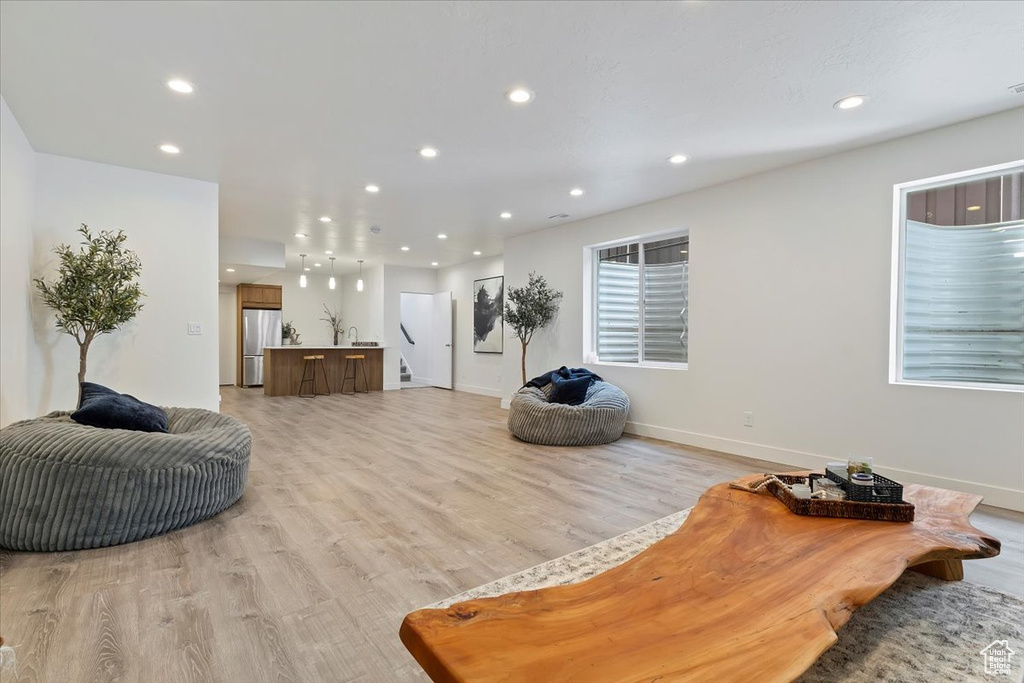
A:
350	333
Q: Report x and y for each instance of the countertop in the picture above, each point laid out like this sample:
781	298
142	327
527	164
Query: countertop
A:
303	347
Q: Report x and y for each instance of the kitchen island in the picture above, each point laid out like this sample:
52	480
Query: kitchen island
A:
283	365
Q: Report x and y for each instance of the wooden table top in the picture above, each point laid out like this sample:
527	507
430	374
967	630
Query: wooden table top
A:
744	589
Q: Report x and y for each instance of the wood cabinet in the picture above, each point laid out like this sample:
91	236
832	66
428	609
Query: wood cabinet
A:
259	296
253	296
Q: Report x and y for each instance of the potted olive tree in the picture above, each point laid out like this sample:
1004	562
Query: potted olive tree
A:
530	308
96	290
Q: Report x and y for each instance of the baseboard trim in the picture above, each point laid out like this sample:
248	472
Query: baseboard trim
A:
483	391
998	496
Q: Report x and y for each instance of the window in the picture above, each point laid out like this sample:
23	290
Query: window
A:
640	301
959	280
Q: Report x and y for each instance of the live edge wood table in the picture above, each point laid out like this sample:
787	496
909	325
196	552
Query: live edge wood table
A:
283	365
744	590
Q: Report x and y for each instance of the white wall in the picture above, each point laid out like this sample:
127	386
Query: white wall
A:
17	187
364	309
479	373
227	330
304	306
172	225
398	279
417	314
789	318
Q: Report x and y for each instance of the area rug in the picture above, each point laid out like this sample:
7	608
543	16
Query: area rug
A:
920	630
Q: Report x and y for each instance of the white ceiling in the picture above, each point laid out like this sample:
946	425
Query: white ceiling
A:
299	105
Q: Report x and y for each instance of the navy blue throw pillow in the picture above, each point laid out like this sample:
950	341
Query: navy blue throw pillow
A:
107	409
569	391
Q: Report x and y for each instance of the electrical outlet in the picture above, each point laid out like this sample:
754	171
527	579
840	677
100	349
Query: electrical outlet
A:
748	419
195	328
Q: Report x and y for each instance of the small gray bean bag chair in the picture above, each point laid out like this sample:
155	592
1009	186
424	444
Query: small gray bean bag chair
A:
66	486
599	419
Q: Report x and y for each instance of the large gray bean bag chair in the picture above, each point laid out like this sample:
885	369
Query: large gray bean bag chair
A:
599	419
66	486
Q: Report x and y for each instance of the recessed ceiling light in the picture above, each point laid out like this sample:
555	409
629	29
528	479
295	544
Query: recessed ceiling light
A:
476	253
316	265
851	102
677	159
974	208
433	263
325	219
576	192
301	234
684	251
442	236
405	248
168	148
306	268
179	85
506	215
519	95
428	152
328	252
372	188
230	270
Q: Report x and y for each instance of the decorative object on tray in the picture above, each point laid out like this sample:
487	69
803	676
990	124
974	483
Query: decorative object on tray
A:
833	495
488	321
334	320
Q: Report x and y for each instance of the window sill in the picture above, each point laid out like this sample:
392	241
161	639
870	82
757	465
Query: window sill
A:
647	366
974	386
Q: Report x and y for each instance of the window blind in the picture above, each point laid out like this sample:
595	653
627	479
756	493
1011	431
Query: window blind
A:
963	303
618	312
665	312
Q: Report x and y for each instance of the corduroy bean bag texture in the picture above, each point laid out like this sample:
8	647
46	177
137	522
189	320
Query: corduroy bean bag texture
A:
599	419
67	486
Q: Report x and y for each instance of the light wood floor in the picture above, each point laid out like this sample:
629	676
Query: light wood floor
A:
359	509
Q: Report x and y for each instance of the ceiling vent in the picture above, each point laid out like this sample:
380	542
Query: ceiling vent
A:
1017	89
557	216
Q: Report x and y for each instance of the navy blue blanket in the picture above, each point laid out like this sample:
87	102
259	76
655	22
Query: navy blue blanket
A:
564	373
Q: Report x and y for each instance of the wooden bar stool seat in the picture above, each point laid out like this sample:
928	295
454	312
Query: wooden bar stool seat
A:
309	367
357	363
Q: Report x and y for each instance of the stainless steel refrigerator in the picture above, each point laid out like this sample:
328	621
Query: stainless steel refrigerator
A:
260	328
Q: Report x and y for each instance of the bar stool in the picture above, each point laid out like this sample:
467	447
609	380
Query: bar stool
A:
310	366
357	363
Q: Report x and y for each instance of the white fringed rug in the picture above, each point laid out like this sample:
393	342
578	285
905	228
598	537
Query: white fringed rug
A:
920	630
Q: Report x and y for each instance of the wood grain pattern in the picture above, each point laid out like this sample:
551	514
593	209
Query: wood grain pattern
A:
742	575
282	370
347	525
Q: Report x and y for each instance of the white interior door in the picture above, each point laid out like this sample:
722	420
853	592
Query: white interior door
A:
441	344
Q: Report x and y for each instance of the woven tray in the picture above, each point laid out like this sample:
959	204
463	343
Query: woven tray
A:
846	509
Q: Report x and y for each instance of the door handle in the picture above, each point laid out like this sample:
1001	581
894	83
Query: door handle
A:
448	346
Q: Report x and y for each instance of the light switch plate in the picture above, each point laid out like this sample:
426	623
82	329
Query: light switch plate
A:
195	328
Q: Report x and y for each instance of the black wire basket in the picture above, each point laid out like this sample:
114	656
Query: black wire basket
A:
882	490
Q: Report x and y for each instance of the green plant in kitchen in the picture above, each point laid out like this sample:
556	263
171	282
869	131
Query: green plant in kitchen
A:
96	290
287	330
334	320
530	308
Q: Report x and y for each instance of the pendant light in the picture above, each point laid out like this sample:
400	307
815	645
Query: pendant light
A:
359	282
302	278
331	283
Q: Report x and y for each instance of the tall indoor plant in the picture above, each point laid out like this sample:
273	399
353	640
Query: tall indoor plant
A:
96	290
530	308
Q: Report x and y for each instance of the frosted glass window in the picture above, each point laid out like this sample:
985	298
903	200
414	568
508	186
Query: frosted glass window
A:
961	297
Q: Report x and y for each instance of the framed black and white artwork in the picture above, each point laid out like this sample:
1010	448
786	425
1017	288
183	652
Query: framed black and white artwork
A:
488	322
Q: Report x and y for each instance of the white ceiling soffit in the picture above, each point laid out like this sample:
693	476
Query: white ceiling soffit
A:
298	106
